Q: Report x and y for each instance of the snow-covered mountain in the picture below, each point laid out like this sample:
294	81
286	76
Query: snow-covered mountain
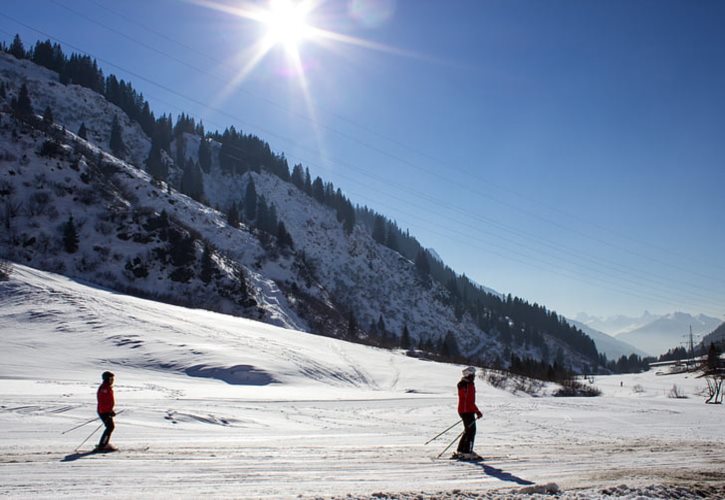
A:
615	325
140	235
669	332
612	347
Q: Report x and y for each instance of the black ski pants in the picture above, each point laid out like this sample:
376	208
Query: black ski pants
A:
107	419
465	445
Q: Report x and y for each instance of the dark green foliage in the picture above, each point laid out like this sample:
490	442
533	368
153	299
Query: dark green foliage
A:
250	201
207	265
48	116
422	264
240	153
17	48
233	215
22	107
49	56
298	176
283	237
83	71
192	183
137	268
118	148
82	131
3	91
163	133
51	149
318	190
379	229
70	236
352	327
155	165
205	155
181	248
405	338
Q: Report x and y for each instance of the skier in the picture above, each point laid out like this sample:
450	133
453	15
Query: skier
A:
469	412
105	411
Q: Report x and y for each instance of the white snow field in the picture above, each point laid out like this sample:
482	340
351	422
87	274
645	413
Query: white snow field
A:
216	406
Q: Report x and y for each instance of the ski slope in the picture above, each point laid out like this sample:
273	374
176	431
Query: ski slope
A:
217	406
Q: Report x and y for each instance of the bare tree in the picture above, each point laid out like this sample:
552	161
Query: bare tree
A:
6	270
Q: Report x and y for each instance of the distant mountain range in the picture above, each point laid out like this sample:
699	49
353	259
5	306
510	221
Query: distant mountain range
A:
653	334
612	347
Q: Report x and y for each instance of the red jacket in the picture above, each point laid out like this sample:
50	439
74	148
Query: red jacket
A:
467	397
105	398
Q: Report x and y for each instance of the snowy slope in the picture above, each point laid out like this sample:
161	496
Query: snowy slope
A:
612	347
117	209
226	407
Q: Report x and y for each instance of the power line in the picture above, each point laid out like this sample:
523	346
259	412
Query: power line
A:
405	161
171	91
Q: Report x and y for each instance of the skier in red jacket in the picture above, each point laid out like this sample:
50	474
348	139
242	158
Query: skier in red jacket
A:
105	410
468	411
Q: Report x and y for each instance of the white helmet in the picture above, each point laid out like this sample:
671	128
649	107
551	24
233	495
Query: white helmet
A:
469	371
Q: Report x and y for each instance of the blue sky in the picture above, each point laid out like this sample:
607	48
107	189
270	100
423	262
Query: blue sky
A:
568	152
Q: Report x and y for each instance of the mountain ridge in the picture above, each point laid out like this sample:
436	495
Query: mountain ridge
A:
137	231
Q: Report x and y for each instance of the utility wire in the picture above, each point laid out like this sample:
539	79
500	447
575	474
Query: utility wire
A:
434	173
166	88
358	125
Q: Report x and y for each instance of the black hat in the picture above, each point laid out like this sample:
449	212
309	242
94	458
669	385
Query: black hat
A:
107	375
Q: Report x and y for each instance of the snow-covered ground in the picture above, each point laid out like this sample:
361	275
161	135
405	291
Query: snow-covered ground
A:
215	406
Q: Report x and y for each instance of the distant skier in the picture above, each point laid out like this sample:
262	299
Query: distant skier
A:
106	403
468	411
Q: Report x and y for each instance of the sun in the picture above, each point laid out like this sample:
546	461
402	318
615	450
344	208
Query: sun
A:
286	23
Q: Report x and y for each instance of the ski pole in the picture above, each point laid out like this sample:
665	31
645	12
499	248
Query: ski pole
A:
439	435
89	436
79	426
451	443
86	423
456	438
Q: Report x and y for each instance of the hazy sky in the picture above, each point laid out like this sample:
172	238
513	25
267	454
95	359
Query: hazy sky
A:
568	152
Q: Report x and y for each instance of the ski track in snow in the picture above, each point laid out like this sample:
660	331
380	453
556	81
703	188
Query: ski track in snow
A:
320	419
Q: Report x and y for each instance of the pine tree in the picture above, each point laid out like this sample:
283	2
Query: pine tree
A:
22	106
283	237
155	164
351	325
192	183
207	264
48	116
379	229
250	201
421	262
233	215
405	338
70	236
205	155
82	131
17	48
118	148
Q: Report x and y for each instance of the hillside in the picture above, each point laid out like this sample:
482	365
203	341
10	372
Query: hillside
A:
216	405
138	234
606	344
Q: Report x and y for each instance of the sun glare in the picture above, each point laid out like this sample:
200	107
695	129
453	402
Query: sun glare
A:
286	23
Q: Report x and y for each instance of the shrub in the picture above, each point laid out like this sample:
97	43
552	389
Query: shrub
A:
6	269
676	393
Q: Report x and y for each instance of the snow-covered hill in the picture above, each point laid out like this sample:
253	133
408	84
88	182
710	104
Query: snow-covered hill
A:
213	405
141	236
